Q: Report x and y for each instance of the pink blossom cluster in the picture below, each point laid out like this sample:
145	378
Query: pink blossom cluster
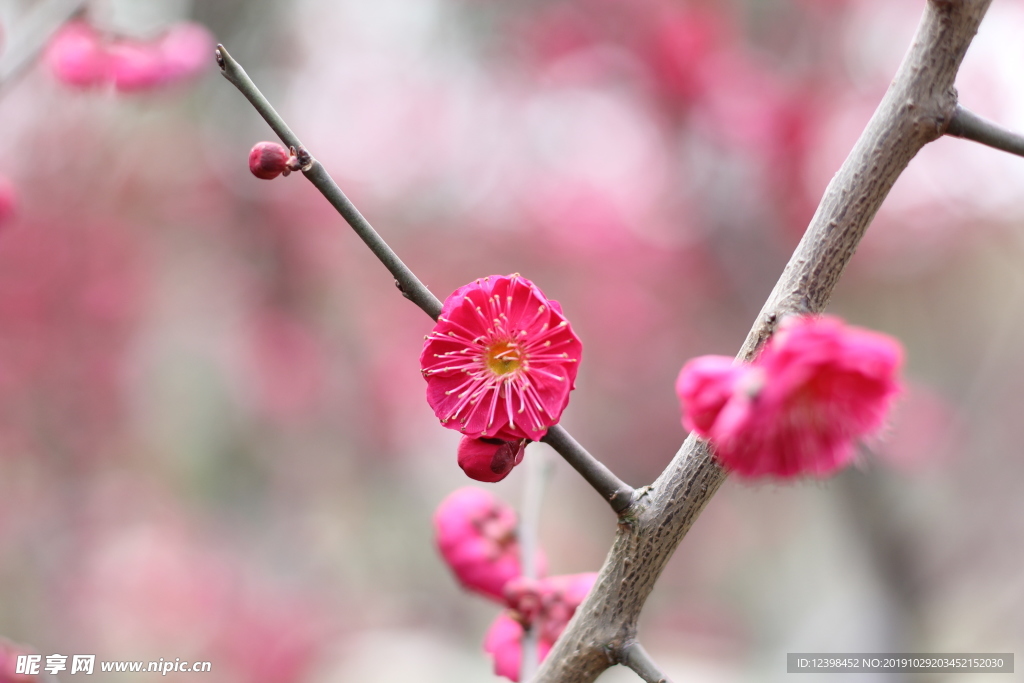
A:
816	387
546	605
476	534
82	57
499	366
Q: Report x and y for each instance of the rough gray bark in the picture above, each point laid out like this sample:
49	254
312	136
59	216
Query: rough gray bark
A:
920	103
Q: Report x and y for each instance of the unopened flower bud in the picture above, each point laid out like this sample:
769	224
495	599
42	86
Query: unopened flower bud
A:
489	460
267	160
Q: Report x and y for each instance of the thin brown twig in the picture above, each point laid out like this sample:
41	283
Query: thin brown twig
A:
616	493
407	282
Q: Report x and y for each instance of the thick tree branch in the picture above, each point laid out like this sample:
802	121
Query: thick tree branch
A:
968	125
917	109
636	658
612	489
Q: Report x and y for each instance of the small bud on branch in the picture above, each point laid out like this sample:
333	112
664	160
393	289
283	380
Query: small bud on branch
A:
267	160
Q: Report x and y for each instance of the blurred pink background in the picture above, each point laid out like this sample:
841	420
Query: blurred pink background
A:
214	443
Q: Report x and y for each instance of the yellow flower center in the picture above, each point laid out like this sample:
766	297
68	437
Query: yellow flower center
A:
503	357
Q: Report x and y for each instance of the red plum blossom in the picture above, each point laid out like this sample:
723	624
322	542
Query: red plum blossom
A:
501	360
476	534
816	387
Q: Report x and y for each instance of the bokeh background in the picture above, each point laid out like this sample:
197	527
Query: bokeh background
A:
214	443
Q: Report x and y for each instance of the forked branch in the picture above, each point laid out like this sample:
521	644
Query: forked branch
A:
968	125
636	658
917	109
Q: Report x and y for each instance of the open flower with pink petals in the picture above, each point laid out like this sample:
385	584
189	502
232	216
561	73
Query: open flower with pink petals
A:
817	387
501	360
